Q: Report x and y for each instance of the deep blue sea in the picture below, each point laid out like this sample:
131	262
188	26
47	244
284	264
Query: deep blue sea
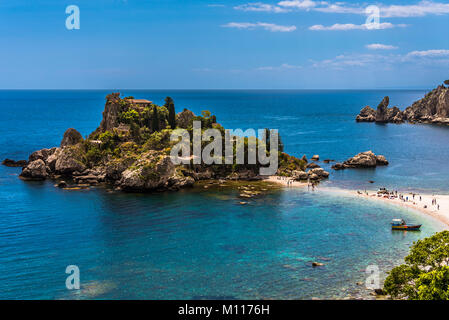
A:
204	244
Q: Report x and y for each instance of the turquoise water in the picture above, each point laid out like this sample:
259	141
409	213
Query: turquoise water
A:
197	244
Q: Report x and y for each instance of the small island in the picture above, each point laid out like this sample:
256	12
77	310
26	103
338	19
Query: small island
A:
130	151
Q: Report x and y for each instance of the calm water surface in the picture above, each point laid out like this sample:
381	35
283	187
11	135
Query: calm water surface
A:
196	244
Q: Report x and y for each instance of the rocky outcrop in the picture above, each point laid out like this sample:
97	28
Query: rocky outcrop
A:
153	172
111	112
365	159
367	114
313	174
35	170
69	161
382	114
12	163
433	108
71	137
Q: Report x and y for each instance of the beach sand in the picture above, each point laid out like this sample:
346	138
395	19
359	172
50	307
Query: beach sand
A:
441	214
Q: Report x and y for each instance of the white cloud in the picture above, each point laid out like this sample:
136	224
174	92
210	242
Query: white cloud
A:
263	25
421	9
284	66
429	53
350	26
379	46
431	58
340	8
260	7
216	5
301	4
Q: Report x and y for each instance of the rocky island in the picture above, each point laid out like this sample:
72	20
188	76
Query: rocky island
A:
433	108
130	151
365	159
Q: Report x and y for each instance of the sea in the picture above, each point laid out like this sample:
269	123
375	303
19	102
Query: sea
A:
203	244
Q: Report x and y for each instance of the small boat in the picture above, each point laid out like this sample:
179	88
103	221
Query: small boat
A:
399	224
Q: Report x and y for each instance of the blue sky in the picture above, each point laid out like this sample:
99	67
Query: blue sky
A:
290	44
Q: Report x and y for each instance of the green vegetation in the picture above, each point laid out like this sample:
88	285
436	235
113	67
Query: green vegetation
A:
170	105
129	116
143	131
288	163
425	274
155	120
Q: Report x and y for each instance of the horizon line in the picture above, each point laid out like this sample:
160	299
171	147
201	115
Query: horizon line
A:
213	89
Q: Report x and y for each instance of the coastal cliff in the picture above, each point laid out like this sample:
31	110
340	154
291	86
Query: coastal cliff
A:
130	150
433	108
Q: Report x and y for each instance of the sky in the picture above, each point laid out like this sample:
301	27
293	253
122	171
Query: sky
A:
229	44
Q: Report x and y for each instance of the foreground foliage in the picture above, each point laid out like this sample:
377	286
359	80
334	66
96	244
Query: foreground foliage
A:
425	274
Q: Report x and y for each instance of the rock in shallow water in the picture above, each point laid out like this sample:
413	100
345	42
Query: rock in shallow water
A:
365	159
36	170
12	163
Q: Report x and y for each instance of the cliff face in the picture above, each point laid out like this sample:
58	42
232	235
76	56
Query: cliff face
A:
433	108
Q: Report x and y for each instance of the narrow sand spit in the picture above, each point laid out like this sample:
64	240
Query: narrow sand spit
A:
421	202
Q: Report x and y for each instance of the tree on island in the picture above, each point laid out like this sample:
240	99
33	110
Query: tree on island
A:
155	120
425	274
170	105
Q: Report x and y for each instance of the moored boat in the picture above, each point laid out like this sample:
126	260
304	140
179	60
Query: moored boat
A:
399	224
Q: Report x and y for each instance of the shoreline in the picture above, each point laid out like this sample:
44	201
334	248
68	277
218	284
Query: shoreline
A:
441	214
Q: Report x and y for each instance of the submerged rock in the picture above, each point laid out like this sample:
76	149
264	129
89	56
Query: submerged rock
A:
317	264
12	163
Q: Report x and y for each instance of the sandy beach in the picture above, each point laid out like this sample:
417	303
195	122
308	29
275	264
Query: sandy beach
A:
421	202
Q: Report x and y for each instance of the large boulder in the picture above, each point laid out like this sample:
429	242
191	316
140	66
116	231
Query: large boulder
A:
184	118
51	160
35	170
151	172
69	161
365	159
71	137
42	154
300	175
116	167
320	172
367	114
